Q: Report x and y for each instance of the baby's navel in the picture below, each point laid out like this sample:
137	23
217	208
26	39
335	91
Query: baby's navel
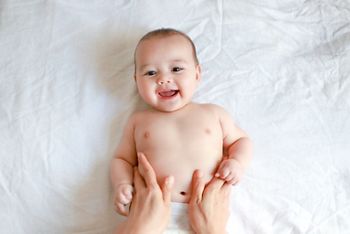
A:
207	131
146	135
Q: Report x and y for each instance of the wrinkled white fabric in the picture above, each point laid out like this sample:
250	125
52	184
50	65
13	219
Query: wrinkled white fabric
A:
281	68
179	223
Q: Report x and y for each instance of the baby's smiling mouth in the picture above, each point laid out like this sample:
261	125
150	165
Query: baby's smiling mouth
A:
168	93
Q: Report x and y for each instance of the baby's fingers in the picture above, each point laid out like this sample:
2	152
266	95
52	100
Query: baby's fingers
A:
234	180
223	172
123	199
229	177
122	209
127	194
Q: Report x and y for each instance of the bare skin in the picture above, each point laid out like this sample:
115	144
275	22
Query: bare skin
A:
177	135
208	209
150	209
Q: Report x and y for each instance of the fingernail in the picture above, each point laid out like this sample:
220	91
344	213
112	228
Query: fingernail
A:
217	175
199	174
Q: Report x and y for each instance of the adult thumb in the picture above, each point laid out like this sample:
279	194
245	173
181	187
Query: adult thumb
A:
167	187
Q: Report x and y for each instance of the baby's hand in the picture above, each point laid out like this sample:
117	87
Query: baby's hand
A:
122	198
230	170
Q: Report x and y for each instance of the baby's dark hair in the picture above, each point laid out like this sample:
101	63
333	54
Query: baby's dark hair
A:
166	32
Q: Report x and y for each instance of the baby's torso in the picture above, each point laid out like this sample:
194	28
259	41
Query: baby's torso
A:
179	143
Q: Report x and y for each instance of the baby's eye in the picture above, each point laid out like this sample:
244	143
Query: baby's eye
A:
150	73
177	69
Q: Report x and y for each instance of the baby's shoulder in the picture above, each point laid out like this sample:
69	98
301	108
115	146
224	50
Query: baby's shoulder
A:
142	115
213	108
217	111
138	115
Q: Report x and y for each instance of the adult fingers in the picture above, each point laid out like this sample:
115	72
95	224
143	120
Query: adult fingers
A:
146	171
227	188
167	187
215	183
197	187
138	181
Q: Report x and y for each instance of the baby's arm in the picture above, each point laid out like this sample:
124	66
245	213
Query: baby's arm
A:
122	169
237	146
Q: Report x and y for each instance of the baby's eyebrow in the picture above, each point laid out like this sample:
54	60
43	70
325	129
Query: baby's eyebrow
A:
179	60
143	66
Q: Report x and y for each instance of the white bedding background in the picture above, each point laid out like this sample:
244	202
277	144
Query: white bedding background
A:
281	68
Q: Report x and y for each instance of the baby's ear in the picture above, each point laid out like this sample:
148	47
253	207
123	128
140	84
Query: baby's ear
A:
198	72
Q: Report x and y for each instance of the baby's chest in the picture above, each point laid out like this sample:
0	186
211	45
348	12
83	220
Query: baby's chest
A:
174	134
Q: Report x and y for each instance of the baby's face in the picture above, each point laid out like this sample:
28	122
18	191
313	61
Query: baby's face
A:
166	73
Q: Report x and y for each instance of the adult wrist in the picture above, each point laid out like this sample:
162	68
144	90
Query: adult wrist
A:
130	229
211	231
133	228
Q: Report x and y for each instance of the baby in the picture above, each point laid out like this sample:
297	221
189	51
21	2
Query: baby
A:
176	135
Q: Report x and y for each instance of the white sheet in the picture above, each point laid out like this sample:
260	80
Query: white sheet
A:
281	68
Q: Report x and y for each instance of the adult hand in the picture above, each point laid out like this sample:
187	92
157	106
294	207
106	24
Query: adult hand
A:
209	205
150	207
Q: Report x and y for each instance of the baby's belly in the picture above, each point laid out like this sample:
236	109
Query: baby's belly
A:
182	168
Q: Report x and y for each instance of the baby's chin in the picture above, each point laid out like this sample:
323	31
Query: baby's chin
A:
168	108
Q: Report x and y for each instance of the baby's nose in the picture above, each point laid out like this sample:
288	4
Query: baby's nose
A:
161	82
164	80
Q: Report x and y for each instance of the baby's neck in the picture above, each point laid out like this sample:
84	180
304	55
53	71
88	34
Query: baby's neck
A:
178	111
